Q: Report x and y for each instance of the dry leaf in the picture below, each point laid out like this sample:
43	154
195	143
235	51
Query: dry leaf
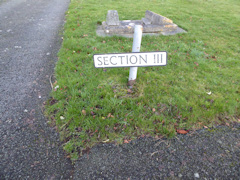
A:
106	141
205	127
227	124
129	91
126	141
153	109
181	131
84	112
110	115
209	93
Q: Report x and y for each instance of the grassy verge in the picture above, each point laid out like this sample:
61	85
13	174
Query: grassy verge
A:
199	86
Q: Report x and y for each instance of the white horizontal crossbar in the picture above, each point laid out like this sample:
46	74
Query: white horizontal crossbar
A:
140	59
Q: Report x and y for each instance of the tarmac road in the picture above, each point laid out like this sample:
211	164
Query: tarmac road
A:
29	42
204	154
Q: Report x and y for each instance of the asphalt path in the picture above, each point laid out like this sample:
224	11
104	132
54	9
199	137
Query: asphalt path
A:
29	42
212	153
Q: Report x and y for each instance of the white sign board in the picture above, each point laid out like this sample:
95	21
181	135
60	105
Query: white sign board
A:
140	59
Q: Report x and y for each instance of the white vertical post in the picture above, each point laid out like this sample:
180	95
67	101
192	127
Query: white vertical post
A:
137	38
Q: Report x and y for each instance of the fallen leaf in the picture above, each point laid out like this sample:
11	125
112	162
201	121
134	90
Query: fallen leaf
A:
181	131
110	115
56	87
227	124
153	109
126	141
196	63
106	141
205	127
129	91
209	93
84	112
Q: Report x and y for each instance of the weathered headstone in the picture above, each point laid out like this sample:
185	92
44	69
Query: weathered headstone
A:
153	24
157	19
112	18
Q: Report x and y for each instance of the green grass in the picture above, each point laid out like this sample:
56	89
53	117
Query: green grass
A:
95	105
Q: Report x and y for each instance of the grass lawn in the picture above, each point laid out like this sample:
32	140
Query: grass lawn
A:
199	86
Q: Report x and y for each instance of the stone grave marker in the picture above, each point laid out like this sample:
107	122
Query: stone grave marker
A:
112	18
153	24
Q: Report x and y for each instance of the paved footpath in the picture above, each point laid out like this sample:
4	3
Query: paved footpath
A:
30	149
29	42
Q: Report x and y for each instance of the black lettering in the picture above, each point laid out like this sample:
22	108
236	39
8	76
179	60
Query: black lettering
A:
157	58
105	59
145	60
121	58
111	60
99	60
131	59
